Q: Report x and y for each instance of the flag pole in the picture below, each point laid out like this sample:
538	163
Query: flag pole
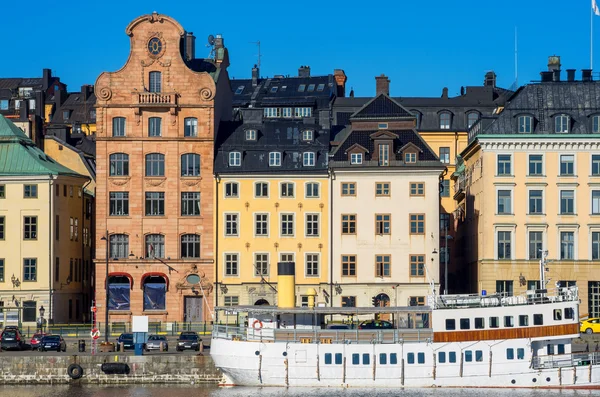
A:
591	37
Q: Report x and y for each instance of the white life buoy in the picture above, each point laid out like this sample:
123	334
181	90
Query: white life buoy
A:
257	325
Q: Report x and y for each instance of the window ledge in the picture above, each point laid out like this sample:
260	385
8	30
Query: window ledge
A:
505	176
537	214
120	312
155	312
120	216
573	214
505	214
536	176
567	176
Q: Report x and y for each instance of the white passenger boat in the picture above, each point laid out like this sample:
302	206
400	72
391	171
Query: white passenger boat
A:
458	341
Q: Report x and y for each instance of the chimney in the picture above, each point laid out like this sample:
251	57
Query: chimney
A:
570	74
553	63
255	73
382	85
547	76
304	71
189	46
86	91
490	79
445	92
351	92
340	82
46	77
586	74
556	75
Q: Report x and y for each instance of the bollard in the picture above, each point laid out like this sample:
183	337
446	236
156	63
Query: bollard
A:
201	347
161	347
122	346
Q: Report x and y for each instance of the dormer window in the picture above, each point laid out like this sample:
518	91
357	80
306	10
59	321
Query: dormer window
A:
561	124
384	154
272	112
320	87
274	89
235	159
472	119
444	121
382	126
311	88
251	135
596	124
283	87
275	159
307	135
301	87
286	112
239	90
308	159
66	114
525	124
303	112
356	158
410	157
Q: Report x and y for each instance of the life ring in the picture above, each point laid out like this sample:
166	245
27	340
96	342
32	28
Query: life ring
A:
75	371
95	333
259	327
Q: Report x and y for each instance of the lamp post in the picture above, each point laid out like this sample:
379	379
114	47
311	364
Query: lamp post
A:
105	238
42	311
446	238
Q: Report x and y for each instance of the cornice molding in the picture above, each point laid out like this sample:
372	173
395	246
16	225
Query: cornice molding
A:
574	145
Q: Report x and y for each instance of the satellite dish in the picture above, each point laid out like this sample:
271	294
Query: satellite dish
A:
211	39
193	279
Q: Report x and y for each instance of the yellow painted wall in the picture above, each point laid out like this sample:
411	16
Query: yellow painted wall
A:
70	159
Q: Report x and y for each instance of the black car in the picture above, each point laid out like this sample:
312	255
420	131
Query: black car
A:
188	340
11	339
376	324
53	342
127	340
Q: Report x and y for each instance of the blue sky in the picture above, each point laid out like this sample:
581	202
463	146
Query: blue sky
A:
422	46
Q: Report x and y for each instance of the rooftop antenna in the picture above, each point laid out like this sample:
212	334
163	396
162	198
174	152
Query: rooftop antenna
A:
516	59
259	56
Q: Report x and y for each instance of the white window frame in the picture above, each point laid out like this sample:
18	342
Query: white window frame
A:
535	228
560	162
563	127
225	264
443	125
268	189
275	159
536	187
592	164
592	229
251	135
281	225
225	189
574	190
287	183
254	262
512	230
237	222
235	159
272	113
254	225
308	135
303	112
318	235
287	253
512	201
286	112
356	158
308	159
572	229
306	189
592	190
410	158
512	169
543	165
522	122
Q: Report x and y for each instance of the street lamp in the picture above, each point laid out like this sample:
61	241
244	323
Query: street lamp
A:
42	311
105	238
446	238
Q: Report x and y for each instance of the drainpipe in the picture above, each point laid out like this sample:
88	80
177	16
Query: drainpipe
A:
83	310
331	179
216	253
50	248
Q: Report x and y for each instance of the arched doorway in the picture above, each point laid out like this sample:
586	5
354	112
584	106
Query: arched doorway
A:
261	302
383	301
119	288
155	292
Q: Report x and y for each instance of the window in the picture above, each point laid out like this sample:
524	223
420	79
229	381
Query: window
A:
155	82
410	358
312	190
231	300
348	189
231	224
235	159
239	90
468	356
287	189
417	223
76	229
274	89
383	266
307	135
536	162
569	313
190	164
286	112
3	191
382	189
504	202
523	320
417	265
520	353
71	228
567	202
595	245
382	358
66	114
119	164
595	202
320	87
479	323
408	158
504	287
444	121
445	155
30	228
535	202
2	270
421	358
494	321
261	224
465	323
30	191
567	165
155	164
155	246
154	126
261	264
444	222
3	104
338	358
30	269
155	203
596	164
118	127
327	355
308	159
190	246
452	357
445	188
275	159
384	154
312	225
348	224
536	245
504	245
509	321
450	324
472	119
416	301
119	203
356	158
504	164
190	127
190	203
417	189
231	189
561	124
2	227
303	112
348	265
567	245
525	124
312	265
311	88
286	257
251	135
510	354
261	189
538	319
287	224
119	289
232	265
119	246
382	224
272	112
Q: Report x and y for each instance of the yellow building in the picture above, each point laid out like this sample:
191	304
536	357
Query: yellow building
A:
42	234
531	185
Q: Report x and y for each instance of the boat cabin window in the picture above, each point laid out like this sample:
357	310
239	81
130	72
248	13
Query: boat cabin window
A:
520	353
366	359
478	355
561	349
442	357
327	358
393	358
479	323
450	324
410	358
494	322
523	320
538	319
557	314
421	358
509	321
465	323
452	357
382	358
510	354
355	358
338	358
550	350
569	313
468	356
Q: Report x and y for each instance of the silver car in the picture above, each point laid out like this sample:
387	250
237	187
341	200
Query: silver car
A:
154	342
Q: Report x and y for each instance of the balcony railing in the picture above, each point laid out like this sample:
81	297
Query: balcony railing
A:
157	98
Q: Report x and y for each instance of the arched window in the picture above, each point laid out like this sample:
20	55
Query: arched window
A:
155	164
119	288
155	292
472	119
119	246
190	246
155	82
261	302
190	126
190	164
154	126
155	246
383	300
118	126
444	121
119	164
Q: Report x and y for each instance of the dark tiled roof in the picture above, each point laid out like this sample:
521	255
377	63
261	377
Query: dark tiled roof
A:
79	110
381	107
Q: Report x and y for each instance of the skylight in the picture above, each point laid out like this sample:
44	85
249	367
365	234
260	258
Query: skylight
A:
301	87
274	89
239	90
311	88
283	87
320	87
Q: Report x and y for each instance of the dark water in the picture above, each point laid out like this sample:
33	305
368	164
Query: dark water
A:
203	391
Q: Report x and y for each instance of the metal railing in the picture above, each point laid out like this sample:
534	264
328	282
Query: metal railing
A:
566	360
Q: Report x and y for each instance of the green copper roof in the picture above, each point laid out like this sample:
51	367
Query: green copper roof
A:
20	156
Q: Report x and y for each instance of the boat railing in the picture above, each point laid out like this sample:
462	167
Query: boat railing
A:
566	360
324	336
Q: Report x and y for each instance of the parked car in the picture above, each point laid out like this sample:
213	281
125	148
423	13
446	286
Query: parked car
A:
154	342
11	339
53	342
127	340
376	324
590	326
36	339
338	326
188	340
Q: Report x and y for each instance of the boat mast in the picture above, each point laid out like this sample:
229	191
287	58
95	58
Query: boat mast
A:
543	263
